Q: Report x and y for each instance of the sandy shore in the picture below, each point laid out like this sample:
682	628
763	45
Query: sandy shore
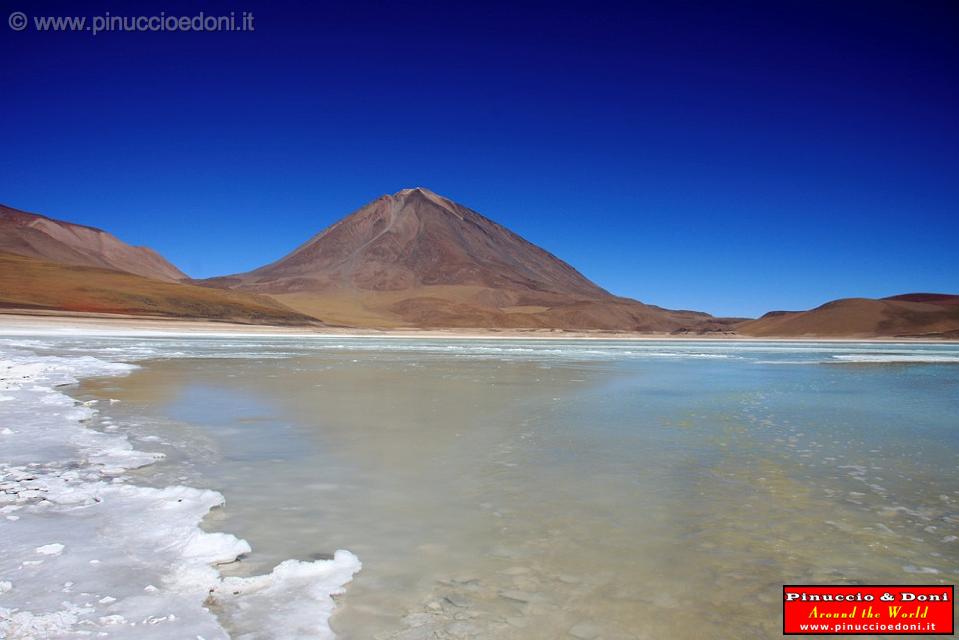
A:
44	323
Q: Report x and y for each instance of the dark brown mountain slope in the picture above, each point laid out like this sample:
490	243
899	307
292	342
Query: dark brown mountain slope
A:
909	315
37	236
416	238
29	283
418	259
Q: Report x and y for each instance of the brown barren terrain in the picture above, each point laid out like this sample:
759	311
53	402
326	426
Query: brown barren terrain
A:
927	315
29	283
37	236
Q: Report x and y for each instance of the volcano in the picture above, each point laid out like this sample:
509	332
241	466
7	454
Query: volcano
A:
417	259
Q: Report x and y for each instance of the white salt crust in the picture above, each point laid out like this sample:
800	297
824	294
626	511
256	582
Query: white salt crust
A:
86	554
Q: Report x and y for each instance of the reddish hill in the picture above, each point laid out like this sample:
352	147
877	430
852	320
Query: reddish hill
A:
415	258
416	238
930	315
37	236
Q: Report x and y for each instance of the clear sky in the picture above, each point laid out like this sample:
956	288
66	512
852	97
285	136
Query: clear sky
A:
731	157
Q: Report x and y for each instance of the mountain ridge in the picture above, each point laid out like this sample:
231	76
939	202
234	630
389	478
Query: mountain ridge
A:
412	259
46	238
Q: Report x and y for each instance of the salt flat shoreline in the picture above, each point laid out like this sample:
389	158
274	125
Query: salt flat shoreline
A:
85	550
49	323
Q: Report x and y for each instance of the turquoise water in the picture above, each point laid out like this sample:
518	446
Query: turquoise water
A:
547	489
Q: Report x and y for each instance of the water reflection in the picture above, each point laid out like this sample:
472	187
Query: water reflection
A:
590	498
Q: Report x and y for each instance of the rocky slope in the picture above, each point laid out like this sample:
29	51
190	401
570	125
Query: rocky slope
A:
37	236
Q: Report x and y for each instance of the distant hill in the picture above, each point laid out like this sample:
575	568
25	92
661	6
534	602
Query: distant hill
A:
30	283
931	315
418	259
37	236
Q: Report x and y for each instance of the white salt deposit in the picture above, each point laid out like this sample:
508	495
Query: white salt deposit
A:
892	358
89	554
54	549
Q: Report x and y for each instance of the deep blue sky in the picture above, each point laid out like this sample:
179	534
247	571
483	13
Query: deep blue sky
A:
732	157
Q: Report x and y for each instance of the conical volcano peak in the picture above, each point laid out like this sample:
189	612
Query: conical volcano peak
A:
421	190
416	238
411	193
409	190
416	258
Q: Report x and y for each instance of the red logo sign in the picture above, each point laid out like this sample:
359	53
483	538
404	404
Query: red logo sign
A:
904	609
